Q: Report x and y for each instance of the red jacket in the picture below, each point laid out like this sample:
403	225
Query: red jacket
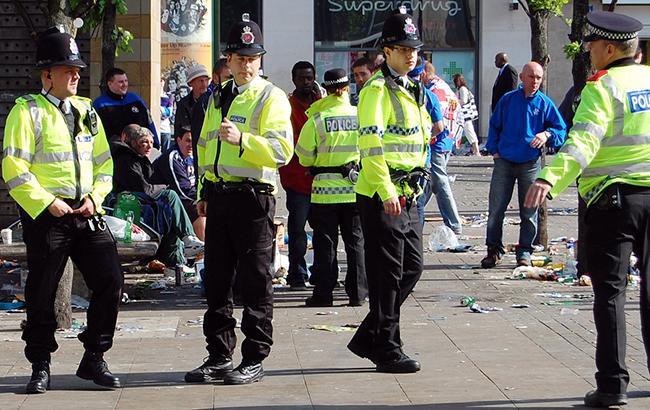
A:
294	176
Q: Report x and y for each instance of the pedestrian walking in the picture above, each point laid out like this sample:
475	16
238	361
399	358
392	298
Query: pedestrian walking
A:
394	128
245	137
608	147
58	167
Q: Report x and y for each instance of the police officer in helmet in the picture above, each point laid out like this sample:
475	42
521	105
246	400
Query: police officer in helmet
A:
58	168
608	146
394	128
246	136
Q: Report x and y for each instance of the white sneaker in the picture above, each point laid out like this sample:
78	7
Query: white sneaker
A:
193	246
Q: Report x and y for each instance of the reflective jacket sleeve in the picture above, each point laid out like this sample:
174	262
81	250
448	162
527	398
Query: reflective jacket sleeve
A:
102	168
201	159
496	125
589	126
274	146
374	111
18	154
306	147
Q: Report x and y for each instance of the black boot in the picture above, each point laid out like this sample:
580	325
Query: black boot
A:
245	373
40	381
93	367
212	370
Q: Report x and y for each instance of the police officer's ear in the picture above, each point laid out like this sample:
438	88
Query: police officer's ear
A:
49	75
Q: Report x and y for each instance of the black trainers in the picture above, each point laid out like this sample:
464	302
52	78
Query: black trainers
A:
245	373
93	367
40	380
212	370
596	398
492	259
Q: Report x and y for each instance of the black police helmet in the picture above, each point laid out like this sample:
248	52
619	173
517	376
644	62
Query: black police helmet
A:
336	77
54	48
399	30
245	38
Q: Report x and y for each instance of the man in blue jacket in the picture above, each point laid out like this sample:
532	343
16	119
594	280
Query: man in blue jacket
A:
523	122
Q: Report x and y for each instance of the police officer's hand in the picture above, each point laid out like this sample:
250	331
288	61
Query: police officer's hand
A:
87	209
392	207
58	208
229	132
536	193
539	140
202	208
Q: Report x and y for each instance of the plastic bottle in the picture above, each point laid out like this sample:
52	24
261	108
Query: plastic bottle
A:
128	228
570	269
127	202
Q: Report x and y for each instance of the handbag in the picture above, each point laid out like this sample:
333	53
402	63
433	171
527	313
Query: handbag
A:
469	110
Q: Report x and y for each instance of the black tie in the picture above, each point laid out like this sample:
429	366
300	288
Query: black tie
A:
229	99
69	118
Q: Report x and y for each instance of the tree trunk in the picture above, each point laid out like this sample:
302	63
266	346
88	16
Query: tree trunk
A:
539	53
62	305
59	15
581	64
108	44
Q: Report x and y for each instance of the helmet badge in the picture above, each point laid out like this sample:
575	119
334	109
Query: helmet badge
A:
73	47
246	36
409	27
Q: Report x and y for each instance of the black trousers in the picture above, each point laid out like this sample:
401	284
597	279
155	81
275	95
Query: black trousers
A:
50	241
393	252
326	219
614	232
239	234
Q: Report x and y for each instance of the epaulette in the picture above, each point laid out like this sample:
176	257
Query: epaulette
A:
25	98
597	75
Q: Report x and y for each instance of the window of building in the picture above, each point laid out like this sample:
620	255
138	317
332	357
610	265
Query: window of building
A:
345	30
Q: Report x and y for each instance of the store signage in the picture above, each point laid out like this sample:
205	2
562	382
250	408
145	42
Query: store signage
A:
369	6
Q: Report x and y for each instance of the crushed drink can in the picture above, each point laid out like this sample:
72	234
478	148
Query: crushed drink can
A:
467	301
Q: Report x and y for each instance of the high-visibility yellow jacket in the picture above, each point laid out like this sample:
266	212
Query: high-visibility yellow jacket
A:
41	161
610	138
393	132
330	138
262	114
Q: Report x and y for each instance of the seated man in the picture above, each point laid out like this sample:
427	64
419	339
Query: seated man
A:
133	172
176	169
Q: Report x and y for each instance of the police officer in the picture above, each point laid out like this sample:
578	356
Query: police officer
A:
246	136
58	168
609	147
329	144
394	128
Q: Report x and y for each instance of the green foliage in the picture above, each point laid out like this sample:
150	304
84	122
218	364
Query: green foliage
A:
551	6
94	18
572	50
122	39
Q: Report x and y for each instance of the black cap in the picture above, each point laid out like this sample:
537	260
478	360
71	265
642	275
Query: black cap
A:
54	48
335	77
399	30
245	38
606	25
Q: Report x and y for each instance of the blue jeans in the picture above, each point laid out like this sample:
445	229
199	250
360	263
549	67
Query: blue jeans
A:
504	175
439	186
165	142
298	207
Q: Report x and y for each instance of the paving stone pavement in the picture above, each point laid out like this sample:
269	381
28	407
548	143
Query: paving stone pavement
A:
541	357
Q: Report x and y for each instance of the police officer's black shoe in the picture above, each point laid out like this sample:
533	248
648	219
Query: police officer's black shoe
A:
596	398
212	370
93	367
402	364
40	380
245	373
314	302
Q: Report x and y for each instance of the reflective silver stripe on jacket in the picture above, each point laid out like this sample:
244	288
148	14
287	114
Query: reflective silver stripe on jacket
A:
253	173
102	158
317	190
35	113
371	152
204	168
68	192
593	129
626	140
303	151
614	170
619	105
20	180
104	178
212	135
18	153
403	148
273	137
254	127
574	152
56	157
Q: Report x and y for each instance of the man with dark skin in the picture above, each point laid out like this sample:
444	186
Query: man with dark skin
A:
506	80
295	178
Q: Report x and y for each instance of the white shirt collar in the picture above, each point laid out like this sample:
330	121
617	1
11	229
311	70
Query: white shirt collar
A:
394	73
502	68
57	102
244	87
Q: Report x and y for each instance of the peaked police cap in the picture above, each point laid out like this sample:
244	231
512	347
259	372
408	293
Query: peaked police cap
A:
245	38
55	48
611	26
399	30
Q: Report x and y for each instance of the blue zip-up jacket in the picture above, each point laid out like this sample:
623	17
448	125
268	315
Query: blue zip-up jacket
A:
118	111
515	122
434	110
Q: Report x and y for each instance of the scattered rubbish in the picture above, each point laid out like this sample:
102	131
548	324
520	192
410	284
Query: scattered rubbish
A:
129	328
156	266
475	308
118	228
326	313
478	221
435	318
562	211
442	238
559	239
539	260
538	248
352	325
460	248
521	327
585	280
333	328
125	298
566	311
194	322
452	178
559	302
159	284
467	301
11	303
532	272
77	302
558	295
520	306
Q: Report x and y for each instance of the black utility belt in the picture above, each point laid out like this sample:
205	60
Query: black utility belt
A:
225	188
402	176
611	197
344	170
